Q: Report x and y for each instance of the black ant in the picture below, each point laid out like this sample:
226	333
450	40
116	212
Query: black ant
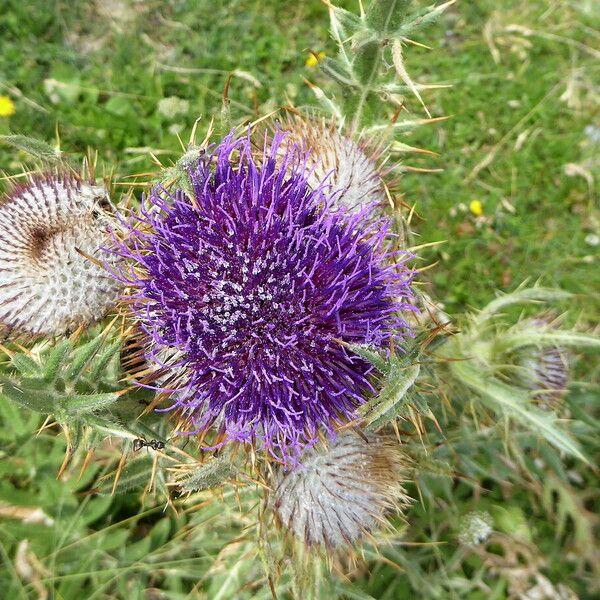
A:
140	443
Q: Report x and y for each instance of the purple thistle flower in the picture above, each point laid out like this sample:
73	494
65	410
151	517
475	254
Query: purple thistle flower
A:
247	288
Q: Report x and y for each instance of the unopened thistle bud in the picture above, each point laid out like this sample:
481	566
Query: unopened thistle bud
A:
544	370
340	492
350	168
51	233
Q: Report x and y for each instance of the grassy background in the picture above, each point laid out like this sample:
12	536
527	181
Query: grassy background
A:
526	88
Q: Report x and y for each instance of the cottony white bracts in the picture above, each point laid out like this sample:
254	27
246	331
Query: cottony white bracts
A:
338	493
350	167
48	228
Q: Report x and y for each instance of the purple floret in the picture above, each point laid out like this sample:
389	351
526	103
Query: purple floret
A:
252	283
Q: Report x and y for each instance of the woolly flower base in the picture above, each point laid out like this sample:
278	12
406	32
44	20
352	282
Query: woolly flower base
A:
47	285
248	291
348	167
340	492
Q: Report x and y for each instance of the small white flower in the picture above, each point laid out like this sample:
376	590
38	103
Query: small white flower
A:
342	491
475	528
172	106
48	229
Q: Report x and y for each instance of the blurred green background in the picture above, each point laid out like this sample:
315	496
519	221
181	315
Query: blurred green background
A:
515	199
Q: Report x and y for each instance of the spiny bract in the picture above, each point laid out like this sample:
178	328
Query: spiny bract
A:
341	491
48	228
254	284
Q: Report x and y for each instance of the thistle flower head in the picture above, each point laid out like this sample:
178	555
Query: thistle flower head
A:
247	288
349	167
48	229
341	491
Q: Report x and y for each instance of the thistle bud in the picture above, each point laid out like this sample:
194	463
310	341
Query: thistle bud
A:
51	232
340	492
349	167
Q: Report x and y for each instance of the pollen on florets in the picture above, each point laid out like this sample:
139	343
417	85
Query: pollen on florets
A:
51	233
248	290
351	167
341	491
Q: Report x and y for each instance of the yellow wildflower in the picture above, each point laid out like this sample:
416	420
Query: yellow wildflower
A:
314	59
7	107
476	207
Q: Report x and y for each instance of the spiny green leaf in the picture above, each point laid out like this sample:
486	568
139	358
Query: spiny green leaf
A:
83	355
344	24
384	16
25	365
337	72
13	423
84	403
106	425
104	357
420	19
29	393
54	360
380	362
209	474
37	148
367	62
534	294
515	403
519	338
135	474
398	382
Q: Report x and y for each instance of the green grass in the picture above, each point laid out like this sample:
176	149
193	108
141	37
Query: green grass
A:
95	71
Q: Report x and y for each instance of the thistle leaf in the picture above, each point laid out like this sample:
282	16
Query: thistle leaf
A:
135	474
55	360
84	403
515	403
525	295
83	355
385	16
550	337
336	70
390	400
104	357
421	19
29	393
25	365
373	356
210	474
36	148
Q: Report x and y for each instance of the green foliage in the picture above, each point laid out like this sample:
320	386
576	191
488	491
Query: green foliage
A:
363	62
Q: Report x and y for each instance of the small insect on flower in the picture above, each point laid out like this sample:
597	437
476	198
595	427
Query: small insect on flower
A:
350	167
140	443
341	491
248	290
51	231
7	107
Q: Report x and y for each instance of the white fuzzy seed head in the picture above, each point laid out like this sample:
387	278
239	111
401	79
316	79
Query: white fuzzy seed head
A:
349	166
340	492
475	528
47	284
